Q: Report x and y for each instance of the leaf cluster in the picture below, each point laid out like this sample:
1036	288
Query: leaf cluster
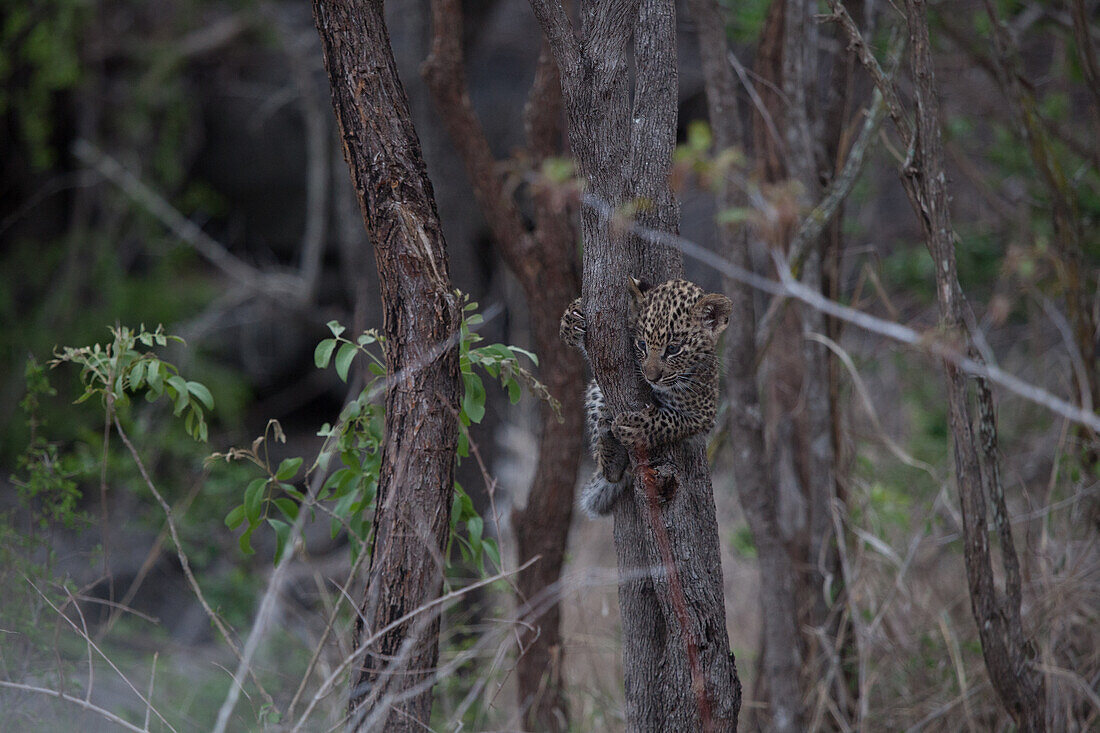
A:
117	370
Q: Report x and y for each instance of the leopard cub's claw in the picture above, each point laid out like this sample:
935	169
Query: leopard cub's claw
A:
572	327
629	428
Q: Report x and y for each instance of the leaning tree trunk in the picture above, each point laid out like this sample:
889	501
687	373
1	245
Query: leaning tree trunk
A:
679	674
544	262
391	688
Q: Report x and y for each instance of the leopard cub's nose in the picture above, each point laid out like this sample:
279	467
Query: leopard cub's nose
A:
652	370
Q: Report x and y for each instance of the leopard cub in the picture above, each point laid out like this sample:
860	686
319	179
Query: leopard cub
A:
676	327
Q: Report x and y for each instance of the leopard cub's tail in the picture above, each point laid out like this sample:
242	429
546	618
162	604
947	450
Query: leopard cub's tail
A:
599	495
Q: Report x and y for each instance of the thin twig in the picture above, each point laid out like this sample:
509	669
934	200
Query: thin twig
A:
274	285
98	651
184	562
152	684
883	83
76	701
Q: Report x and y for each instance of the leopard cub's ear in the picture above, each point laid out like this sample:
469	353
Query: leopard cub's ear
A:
713	312
638	288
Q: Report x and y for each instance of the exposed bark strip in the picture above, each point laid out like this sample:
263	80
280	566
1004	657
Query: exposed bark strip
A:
544	263
752	472
625	153
1007	653
420	319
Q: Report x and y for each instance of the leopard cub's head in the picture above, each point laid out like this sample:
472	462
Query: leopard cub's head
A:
676	328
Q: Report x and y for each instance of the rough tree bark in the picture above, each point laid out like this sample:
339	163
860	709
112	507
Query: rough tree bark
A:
1008	654
751	467
544	262
391	689
679	674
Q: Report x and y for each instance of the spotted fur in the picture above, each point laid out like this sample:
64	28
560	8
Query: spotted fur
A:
676	326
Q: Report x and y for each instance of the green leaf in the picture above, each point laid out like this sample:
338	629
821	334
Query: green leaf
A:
235	517
288	507
734	216
473	397
245	542
282	532
474	527
289	489
514	391
491	549
179	384
376	369
699	136
335	327
343	359
288	468
253	500
137	376
155	376
323	353
515	349
202	393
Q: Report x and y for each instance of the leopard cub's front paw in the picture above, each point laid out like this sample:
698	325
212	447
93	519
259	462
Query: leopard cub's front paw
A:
572	327
629	428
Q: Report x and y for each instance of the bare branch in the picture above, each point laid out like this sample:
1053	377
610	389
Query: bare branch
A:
883	83
184	562
445	73
76	701
274	285
815	222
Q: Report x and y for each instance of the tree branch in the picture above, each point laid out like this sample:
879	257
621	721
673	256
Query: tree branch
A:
274	285
445	73
883	83
814	223
558	30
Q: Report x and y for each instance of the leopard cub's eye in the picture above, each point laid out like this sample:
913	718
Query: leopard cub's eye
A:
672	349
640	346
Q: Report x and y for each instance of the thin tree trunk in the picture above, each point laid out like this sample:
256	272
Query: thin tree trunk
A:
670	589
1008	654
543	261
751	467
391	687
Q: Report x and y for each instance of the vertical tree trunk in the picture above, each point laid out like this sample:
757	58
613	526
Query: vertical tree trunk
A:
391	689
679	675
543	261
752	469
